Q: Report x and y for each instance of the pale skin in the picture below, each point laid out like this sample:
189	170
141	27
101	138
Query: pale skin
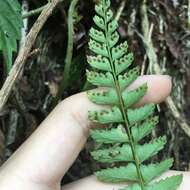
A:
42	161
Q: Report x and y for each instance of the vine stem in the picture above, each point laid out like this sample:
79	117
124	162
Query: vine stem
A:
122	106
33	12
69	53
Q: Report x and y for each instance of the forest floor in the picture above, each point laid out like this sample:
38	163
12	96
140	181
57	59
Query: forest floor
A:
165	43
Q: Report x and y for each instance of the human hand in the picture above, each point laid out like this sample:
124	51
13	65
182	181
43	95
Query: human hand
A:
42	161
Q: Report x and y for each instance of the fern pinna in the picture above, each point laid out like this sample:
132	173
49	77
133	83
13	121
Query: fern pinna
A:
121	143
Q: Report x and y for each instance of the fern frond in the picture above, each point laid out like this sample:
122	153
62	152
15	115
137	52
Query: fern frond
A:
112	63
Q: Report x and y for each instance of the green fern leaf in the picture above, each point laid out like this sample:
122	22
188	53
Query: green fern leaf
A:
112	27
99	22
106	116
141	131
128	78
139	114
97	35
10	28
118	135
104	97
124	153
98	48
119	51
170	183
109	15
129	172
99	62
99	9
113	39
100	79
114	115
107	80
115	135
123	63
132	97
122	143
150	149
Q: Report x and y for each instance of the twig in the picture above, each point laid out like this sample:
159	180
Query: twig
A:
153	59
33	12
188	14
24	51
120	10
69	54
149	34
143	67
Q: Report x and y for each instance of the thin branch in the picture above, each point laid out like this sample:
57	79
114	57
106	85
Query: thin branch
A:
188	14
69	54
155	68
33	12
24	52
120	10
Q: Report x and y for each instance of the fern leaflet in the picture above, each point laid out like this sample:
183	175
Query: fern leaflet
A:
10	28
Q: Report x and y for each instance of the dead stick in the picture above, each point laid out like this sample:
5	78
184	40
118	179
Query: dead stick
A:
120	10
24	52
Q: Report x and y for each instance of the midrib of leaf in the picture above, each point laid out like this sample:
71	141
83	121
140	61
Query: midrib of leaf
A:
121	103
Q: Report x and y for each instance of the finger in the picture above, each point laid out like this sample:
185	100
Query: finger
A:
93	184
162	87
50	151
